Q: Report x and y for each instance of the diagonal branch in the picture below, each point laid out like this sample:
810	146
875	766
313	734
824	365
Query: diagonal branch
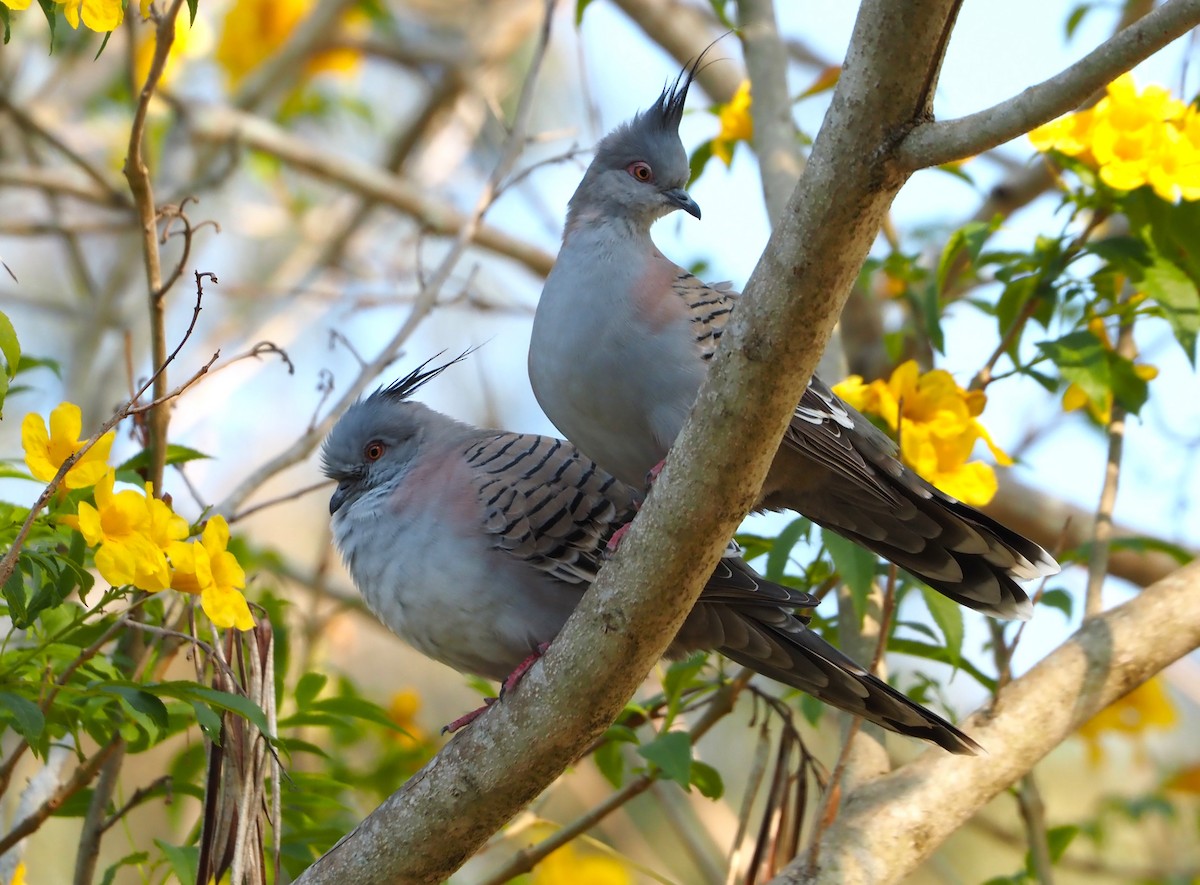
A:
935	143
889	826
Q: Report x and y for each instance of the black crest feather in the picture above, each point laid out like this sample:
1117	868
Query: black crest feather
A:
667	111
418	377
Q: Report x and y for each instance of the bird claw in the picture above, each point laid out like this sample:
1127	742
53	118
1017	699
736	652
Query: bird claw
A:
467	718
505	687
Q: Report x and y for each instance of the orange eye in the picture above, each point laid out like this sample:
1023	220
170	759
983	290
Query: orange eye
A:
641	171
374	450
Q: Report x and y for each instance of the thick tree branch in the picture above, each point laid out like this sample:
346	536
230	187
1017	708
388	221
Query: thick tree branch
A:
626	620
711	478
935	143
888	827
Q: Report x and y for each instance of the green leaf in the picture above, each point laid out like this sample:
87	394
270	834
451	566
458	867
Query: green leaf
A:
222	700
10	347
698	160
671	753
1082	359
1174	291
27	719
580	6
781	547
50	10
1059	599
183	860
1058	839
938	653
355	708
175	455
4	21
972	237
1075	19
308	688
707	780
718	8
948	616
856	565
193	5
811	709
610	759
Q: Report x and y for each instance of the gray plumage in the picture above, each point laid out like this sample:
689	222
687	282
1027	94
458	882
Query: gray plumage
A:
474	546
621	342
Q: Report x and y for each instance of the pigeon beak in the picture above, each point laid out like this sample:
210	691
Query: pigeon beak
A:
339	497
683	200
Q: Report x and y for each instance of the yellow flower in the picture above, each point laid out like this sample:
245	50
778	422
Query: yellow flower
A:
18	877
17	4
403	709
97	15
254	29
1132	139
163	525
46	452
736	124
566	866
118	526
207	568
936	421
1147	706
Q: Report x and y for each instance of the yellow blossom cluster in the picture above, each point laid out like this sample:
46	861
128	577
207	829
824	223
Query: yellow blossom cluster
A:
937	424
254	30
569	866
736	124
96	15
1133	139
1147	706
139	541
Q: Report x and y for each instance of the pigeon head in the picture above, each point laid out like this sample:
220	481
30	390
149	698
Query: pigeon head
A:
374	444
640	171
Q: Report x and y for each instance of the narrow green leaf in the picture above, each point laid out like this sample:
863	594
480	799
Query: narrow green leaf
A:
1082	359
781	548
856	566
193	5
5	22
10	347
1059	599
580	6
183	860
27	719
610	759
308	688
50	10
707	780
1058	839
671	752
1174	291
698	160
948	616
355	708
938	653
175	455
222	700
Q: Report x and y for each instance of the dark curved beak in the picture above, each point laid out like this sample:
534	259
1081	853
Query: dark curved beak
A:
683	200
340	494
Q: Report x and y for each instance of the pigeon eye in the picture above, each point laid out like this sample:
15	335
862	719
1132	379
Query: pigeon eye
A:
641	171
374	450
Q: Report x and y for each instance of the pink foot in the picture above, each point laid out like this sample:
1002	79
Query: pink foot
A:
615	541
468	718
522	668
505	687
619	535
653	472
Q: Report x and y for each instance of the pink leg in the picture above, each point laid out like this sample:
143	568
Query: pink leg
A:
619	535
505	687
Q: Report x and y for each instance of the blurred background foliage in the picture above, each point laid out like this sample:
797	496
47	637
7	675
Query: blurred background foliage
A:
302	202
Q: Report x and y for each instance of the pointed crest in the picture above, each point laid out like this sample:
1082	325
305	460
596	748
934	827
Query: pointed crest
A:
418	377
667	111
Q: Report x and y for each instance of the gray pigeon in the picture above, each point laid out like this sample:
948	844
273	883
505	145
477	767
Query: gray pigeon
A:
475	545
621	342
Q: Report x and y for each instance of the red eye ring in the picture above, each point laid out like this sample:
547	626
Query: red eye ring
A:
640	170
374	450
